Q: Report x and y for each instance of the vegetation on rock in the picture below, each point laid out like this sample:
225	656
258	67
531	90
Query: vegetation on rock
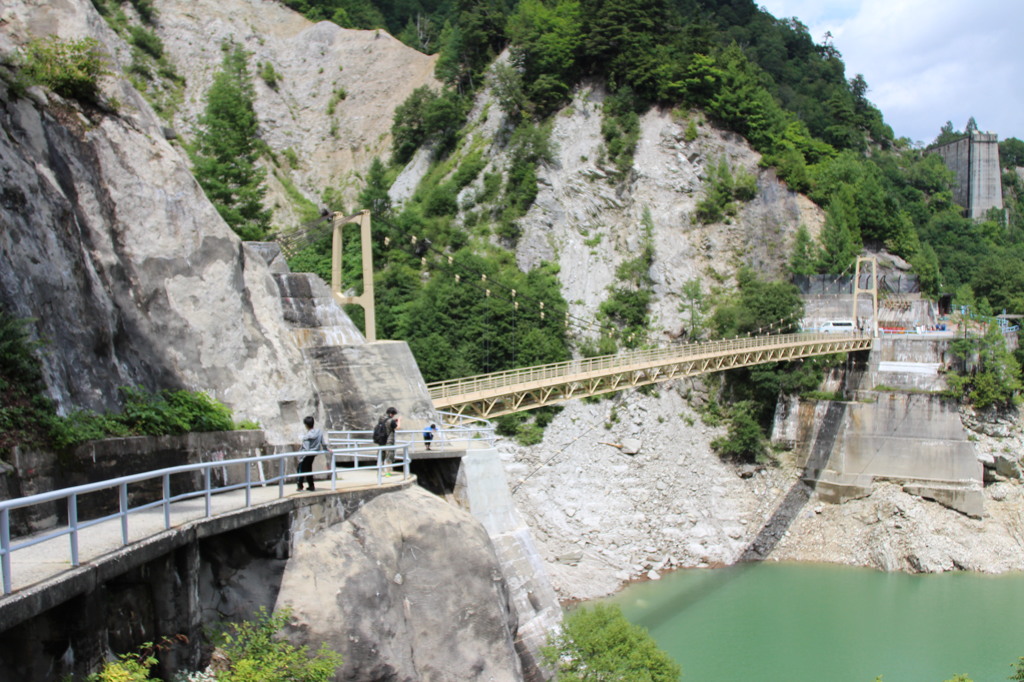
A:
598	643
71	68
28	417
226	148
252	651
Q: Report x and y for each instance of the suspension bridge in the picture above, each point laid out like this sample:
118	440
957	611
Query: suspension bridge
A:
504	392
498	393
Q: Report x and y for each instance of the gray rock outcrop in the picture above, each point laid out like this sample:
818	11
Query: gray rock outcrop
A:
112	249
406	588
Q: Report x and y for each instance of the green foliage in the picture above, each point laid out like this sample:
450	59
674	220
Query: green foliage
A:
598	643
1011	153
147	41
257	654
227	146
546	39
695	305
127	668
144	414
745	440
802	261
339	95
426	117
620	129
722	188
24	411
269	75
374	196
71	68
997	379
628	300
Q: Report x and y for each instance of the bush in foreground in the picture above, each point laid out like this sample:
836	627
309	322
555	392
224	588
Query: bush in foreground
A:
600	644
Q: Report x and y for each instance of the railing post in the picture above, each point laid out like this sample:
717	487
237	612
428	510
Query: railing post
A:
334	472
405	464
281	477
209	495
122	494
167	501
5	548
73	527
248	486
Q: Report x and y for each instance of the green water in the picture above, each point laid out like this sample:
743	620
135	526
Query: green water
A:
819	623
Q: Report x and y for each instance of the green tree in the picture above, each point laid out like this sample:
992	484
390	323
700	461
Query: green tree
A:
802	261
546	39
840	242
695	306
744	440
227	147
375	194
1011	153
598	643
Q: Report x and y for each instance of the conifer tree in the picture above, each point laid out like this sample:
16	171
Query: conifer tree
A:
226	149
801	262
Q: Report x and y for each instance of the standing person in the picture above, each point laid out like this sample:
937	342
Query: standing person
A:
428	434
393	422
313	443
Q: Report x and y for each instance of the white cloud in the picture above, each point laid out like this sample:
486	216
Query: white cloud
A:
928	61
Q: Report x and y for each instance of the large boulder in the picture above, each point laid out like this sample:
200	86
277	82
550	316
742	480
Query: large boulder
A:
407	588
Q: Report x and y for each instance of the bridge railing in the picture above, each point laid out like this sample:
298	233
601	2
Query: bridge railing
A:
454	432
371	456
618	361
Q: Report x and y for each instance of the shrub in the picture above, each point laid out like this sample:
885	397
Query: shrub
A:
71	69
147	41
600	644
269	75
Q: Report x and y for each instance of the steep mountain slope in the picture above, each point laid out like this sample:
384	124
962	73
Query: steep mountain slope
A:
313	63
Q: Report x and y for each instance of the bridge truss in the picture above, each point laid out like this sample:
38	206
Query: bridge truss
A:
492	395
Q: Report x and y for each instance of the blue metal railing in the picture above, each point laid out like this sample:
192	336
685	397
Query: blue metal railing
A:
371	456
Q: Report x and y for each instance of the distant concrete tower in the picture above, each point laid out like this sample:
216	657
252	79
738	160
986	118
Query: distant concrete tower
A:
975	160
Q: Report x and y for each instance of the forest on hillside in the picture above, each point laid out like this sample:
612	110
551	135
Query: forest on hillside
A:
763	77
746	71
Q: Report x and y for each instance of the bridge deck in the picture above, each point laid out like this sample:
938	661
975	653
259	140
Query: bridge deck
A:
498	393
35	565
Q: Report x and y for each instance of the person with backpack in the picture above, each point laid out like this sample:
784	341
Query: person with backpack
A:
384	434
428	434
313	443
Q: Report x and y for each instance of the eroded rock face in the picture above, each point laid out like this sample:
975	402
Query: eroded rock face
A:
406	588
111	247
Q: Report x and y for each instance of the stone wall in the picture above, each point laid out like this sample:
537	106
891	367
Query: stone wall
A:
38	471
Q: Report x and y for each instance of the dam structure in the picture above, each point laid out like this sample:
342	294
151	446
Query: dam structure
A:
975	160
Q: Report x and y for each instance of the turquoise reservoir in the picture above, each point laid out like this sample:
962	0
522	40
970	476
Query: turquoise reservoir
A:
821	623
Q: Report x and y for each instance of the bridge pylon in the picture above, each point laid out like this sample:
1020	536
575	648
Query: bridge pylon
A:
871	289
364	300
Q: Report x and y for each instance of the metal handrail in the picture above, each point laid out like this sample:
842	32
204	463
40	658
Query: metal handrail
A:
604	363
71	495
454	431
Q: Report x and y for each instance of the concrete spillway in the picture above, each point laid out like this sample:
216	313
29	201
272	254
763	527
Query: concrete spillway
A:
897	426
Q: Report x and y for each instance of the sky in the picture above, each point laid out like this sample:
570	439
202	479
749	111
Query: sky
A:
927	61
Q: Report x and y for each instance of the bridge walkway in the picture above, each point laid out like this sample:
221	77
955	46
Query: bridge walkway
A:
40	562
491	395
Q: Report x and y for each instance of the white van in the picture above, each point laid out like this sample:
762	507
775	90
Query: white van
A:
838	327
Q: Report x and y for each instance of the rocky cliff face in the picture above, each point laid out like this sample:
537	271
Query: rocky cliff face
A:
333	144
114	251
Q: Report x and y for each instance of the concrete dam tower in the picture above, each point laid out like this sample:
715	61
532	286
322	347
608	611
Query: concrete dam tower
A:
975	160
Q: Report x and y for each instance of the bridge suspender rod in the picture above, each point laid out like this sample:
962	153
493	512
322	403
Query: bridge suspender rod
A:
365	300
872	289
